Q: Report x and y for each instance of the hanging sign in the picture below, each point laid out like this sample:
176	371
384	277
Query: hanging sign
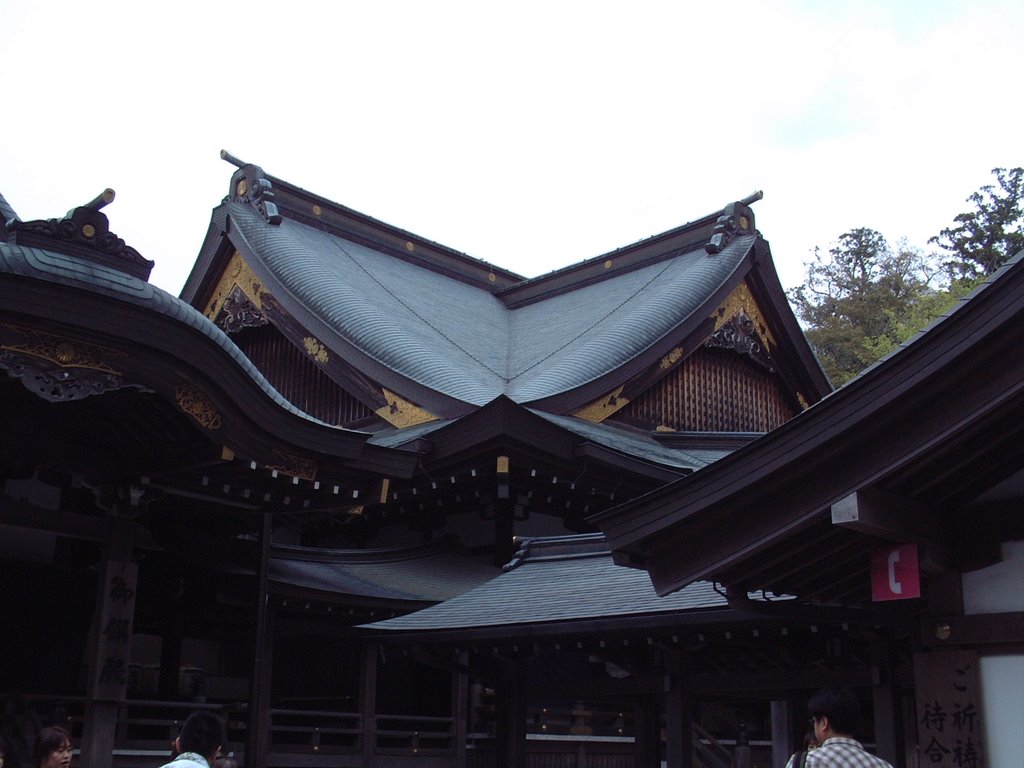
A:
949	717
114	635
895	574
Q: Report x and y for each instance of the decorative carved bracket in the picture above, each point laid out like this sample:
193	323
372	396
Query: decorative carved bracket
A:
59	369
740	335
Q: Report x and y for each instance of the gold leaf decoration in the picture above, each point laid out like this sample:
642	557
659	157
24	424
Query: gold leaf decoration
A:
316	350
64	351
237	274
673	357
197	405
401	413
294	466
742	301
603	407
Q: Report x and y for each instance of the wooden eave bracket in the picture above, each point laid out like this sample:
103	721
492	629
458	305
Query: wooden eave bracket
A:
889	517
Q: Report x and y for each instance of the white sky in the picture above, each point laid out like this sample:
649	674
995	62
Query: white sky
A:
531	134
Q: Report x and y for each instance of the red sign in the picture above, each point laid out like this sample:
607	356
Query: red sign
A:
894	573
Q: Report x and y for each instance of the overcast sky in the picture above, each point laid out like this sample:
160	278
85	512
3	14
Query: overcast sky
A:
530	135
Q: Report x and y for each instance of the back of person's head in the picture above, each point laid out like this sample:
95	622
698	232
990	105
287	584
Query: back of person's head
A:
841	707
50	739
202	733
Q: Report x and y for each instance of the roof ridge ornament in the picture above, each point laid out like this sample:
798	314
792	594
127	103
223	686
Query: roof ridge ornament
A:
84	231
737	219
249	184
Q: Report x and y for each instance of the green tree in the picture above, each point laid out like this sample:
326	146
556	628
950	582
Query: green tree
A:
858	299
984	237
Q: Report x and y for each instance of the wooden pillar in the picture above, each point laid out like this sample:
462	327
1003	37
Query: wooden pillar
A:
110	648
678	712
647	747
368	704
510	721
784	717
885	704
504	530
170	654
258	736
460	710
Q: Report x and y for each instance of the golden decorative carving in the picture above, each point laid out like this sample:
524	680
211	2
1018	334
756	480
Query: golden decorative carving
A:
197	405
317	210
294	466
803	401
674	356
236	273
316	350
741	300
401	413
66	352
603	407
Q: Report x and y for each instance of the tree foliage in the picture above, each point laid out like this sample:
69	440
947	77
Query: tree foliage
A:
983	238
863	299
856	300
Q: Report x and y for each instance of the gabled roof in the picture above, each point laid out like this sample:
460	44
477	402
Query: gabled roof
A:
926	446
451	333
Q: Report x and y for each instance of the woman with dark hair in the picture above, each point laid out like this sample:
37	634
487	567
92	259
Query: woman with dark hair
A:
52	748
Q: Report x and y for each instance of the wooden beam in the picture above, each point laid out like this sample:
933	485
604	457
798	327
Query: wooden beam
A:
887	516
780	680
21	514
978	629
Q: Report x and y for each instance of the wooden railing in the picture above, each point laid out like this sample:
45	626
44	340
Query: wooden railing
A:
707	752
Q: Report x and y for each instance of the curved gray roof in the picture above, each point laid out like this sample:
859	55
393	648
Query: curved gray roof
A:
73	272
590	586
430	573
460	339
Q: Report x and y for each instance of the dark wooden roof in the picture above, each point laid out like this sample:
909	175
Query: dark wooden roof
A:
930	439
451	333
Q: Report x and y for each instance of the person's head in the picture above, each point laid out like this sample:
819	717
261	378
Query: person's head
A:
202	733
52	748
834	712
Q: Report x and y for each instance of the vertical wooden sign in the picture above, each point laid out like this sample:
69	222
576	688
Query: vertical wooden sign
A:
949	716
114	631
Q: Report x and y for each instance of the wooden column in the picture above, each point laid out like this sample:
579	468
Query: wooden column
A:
647	747
885	704
368	704
258	736
784	715
678	712
510	722
110	648
460	710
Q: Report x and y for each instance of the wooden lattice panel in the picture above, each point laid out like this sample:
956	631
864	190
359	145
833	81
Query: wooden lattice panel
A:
302	383
713	390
